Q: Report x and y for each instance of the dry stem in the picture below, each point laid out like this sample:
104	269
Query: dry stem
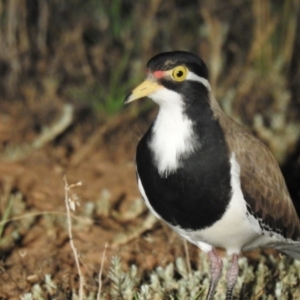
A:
100	272
69	202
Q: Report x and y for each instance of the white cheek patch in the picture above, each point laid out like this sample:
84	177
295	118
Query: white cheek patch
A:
173	135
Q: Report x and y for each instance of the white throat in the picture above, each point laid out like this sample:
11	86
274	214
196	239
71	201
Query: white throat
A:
172	135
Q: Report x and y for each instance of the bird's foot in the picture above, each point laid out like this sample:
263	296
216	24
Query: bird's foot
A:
216	266
231	276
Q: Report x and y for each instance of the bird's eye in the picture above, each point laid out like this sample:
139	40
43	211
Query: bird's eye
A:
179	73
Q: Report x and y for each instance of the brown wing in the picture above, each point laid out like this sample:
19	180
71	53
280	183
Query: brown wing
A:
262	182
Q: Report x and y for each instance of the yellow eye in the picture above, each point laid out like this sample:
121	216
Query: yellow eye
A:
179	73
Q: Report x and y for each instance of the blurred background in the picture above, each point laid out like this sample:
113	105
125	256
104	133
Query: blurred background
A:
65	68
91	53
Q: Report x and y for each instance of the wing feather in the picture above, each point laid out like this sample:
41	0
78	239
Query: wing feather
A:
262	182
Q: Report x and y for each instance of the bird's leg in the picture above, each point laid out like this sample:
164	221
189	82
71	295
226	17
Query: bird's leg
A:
216	266
231	276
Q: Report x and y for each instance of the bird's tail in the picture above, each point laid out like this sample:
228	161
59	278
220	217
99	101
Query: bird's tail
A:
289	248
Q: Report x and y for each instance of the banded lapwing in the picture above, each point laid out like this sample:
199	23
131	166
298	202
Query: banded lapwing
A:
205	175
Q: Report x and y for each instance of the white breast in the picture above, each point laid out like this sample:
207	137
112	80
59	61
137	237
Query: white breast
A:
173	135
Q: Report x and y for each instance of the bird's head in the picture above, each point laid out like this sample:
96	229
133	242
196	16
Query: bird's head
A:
172	78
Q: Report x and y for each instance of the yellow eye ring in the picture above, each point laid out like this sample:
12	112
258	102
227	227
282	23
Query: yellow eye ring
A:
179	73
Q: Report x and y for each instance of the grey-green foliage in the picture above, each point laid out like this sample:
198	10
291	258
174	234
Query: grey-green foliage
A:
272	278
123	284
171	282
269	278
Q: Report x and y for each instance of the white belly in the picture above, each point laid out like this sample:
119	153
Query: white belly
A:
234	232
237	229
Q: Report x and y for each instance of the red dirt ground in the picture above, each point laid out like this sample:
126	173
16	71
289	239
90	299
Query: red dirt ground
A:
100	155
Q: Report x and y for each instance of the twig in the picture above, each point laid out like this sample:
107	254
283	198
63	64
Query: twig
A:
84	220
6	214
48	134
70	203
100	272
60	126
97	138
135	232
187	256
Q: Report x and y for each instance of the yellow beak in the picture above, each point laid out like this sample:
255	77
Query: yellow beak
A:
143	90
